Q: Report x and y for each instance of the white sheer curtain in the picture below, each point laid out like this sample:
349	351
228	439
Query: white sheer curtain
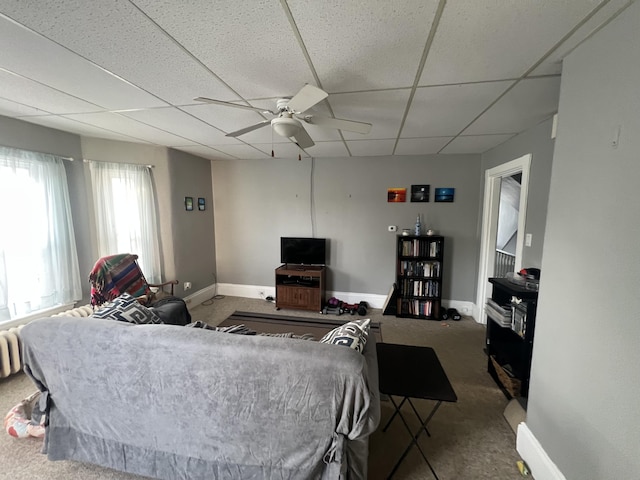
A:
126	214
38	257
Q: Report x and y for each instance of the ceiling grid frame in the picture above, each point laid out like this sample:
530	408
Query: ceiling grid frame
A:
371	41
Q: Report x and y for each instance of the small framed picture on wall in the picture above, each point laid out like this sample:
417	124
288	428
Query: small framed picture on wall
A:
396	195
200	203
444	194
188	203
420	193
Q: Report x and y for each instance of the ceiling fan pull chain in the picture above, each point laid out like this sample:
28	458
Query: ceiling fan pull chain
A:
272	155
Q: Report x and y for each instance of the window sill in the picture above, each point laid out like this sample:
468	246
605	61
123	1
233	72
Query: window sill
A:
47	312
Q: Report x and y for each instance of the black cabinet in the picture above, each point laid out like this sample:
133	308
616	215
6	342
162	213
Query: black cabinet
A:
419	276
511	321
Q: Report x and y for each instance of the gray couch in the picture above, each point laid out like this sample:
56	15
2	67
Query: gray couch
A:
185	403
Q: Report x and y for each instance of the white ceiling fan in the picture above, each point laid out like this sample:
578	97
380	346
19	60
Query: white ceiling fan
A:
290	115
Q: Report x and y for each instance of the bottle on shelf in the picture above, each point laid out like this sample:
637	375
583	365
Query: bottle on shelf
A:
418	226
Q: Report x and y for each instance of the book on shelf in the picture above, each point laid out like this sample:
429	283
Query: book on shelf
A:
419	247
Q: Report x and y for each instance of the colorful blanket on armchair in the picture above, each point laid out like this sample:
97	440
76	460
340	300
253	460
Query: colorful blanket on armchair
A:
114	275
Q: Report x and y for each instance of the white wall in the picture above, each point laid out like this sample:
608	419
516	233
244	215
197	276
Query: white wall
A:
583	403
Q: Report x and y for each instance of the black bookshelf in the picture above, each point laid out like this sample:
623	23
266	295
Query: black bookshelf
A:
509	337
419	268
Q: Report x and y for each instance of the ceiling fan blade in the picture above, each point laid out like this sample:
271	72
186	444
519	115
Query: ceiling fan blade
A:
303	139
306	98
347	125
235	105
242	131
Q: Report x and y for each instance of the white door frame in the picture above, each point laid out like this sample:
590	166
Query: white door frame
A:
490	209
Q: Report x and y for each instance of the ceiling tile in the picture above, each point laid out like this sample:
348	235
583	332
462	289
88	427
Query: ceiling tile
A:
421	146
553	64
229	119
9	108
205	152
80	128
320	149
243	151
527	104
57	67
285	150
28	92
181	124
121	39
383	109
476	40
370	148
250	44
329	149
126	126
364	45
446	110
475	143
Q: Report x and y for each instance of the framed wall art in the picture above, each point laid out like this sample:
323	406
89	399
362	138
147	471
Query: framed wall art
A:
396	195
444	194
420	193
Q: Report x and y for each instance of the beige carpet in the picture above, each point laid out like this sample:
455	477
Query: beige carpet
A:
470	439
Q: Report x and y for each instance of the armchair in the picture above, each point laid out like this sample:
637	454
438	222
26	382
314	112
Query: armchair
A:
114	275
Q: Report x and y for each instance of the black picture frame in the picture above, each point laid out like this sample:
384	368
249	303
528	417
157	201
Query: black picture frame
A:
420	193
444	194
201	203
188	203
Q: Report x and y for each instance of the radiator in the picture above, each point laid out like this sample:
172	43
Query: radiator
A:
11	347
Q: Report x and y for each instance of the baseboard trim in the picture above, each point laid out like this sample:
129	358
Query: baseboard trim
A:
539	463
200	296
464	308
374	300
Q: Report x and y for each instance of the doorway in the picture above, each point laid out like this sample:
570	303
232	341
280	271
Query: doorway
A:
500	183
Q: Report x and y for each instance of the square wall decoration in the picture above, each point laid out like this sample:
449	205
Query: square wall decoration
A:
444	194
420	193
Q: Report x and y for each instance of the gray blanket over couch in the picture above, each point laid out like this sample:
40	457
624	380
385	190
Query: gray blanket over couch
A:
179	403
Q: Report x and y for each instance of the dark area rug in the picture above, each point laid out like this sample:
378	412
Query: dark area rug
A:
270	323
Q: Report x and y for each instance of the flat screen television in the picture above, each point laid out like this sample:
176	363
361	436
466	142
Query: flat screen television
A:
303	251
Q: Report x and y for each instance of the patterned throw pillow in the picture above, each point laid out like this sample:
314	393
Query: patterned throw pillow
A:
126	308
353	334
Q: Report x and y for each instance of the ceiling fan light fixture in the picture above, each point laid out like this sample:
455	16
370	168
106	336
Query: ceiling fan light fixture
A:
286	127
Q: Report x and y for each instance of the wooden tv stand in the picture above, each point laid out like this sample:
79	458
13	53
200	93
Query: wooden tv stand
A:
300	287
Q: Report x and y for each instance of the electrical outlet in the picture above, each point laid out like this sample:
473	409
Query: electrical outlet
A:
187	286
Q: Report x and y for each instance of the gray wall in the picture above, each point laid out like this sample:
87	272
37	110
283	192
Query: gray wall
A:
192	231
538	142
258	201
583	404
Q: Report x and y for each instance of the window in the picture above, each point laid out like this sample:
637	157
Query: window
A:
38	259
126	214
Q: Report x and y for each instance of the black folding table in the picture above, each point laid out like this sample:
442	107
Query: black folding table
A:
412	372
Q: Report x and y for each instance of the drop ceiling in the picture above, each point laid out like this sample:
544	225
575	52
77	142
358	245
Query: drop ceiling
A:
456	76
